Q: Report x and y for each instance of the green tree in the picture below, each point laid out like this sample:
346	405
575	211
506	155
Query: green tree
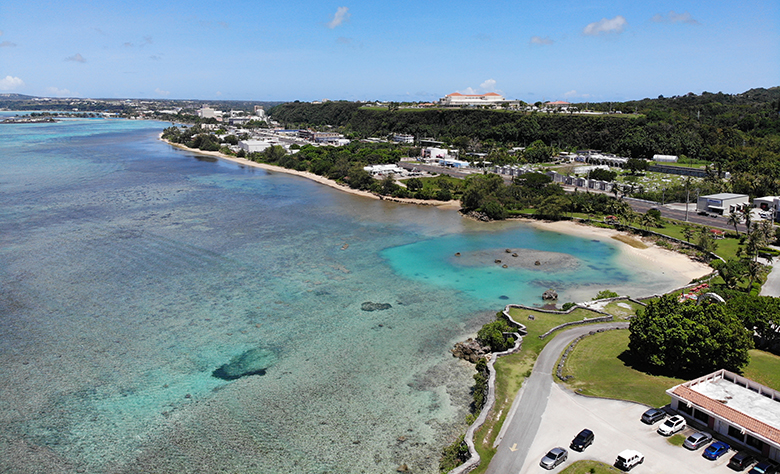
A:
760	314
492	335
414	184
686	339
635	165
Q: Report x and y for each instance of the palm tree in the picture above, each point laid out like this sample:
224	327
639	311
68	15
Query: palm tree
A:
735	218
647	220
687	233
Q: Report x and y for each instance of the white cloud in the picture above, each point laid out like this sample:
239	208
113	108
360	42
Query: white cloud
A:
159	91
468	91
571	93
58	91
78	58
673	17
7	44
542	41
489	85
342	14
606	25
10	83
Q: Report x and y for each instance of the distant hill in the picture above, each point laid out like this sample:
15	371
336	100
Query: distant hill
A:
9	96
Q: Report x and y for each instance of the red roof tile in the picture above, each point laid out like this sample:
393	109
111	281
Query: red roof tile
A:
726	412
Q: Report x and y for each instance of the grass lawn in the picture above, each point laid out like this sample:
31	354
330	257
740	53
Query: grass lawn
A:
619	310
764	368
598	371
588	467
676	440
512	370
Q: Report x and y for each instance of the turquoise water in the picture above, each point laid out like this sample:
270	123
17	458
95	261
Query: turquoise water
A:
131	270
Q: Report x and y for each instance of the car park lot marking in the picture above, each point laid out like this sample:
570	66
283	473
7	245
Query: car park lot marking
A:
617	426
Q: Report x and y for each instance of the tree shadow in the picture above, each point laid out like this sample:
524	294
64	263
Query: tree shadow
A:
630	360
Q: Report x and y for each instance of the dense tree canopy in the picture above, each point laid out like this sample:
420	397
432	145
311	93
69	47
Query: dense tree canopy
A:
686	339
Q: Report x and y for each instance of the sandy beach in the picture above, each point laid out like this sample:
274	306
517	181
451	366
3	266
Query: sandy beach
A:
453	204
652	260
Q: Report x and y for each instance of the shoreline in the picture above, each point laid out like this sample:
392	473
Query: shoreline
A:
652	257
316	178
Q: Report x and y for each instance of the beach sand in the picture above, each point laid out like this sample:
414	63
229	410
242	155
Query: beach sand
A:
652	263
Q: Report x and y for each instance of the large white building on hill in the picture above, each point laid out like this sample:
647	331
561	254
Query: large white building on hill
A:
458	99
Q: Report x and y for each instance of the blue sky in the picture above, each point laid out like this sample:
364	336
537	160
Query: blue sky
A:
405	50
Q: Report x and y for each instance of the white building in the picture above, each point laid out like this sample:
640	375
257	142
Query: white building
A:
383	170
456	99
251	146
208	112
400	138
722	203
741	410
665	158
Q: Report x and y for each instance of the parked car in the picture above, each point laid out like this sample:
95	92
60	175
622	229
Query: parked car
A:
553	458
697	440
763	468
653	415
628	458
716	450
741	460
582	440
672	425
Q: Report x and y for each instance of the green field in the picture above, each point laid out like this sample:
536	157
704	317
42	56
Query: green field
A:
600	368
590	467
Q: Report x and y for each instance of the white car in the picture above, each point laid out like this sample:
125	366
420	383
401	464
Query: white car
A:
628	458
672	425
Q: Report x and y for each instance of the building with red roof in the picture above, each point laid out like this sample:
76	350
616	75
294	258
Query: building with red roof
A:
741	410
457	99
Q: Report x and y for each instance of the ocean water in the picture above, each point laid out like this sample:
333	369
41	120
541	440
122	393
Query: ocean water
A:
130	271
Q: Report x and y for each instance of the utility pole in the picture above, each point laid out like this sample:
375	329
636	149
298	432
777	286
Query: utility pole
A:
687	198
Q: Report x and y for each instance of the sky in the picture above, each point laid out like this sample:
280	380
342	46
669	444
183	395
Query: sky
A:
577	51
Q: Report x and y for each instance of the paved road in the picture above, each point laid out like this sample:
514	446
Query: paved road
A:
524	423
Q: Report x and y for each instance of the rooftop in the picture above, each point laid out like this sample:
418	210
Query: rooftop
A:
726	196
739	400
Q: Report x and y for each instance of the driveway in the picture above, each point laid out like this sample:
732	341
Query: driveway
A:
617	427
525	416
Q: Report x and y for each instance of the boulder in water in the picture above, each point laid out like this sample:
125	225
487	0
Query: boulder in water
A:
252	362
369	306
550	295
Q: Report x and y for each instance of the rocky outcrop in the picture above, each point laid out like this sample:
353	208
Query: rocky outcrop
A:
252	362
369	306
550	295
470	350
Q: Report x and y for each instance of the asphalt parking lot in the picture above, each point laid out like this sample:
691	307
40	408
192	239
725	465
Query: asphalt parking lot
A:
617	426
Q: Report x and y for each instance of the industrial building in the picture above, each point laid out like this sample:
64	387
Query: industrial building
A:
722	203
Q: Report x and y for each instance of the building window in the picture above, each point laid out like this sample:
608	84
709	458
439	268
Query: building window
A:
683	408
754	443
736	433
701	416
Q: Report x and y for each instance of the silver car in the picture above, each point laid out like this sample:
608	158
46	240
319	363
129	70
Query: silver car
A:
553	458
697	440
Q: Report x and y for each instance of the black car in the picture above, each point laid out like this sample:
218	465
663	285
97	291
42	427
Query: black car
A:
741	460
653	415
582	440
763	468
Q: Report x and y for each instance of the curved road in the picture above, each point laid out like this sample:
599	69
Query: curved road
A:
524	423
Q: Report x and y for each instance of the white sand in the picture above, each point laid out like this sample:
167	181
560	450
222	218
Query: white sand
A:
660	270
